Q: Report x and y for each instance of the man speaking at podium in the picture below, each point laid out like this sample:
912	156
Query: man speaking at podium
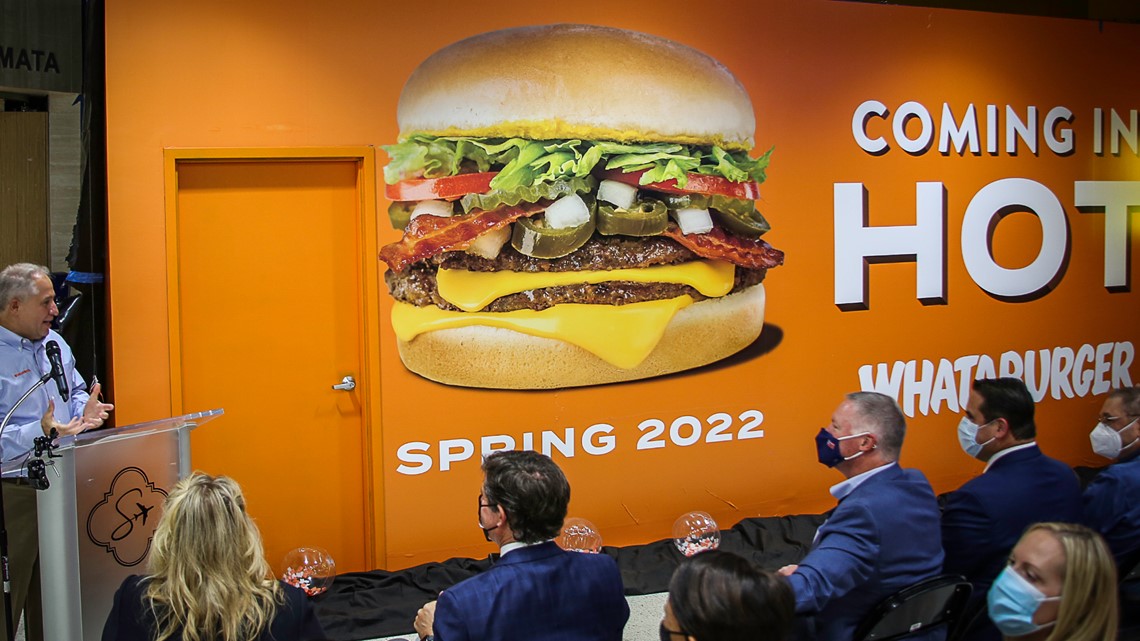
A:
28	347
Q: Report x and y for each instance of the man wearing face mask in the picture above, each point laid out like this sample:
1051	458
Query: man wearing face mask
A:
536	590
883	536
1020	486
1112	500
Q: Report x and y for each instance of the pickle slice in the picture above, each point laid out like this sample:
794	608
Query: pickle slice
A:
647	218
533	238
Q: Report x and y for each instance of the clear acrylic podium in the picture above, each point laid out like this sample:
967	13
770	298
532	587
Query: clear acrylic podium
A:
97	519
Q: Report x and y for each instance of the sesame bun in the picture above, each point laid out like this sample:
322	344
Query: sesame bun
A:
481	356
583	82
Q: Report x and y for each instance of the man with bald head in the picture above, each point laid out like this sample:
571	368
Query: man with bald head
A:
27	310
882	537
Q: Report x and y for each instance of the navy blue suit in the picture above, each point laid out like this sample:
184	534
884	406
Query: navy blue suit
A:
983	520
1112	507
881	538
537	593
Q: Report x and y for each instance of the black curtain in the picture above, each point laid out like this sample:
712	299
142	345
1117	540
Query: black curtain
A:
85	323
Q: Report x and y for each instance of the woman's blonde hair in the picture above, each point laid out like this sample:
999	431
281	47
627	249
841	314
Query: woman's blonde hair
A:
208	575
1088	609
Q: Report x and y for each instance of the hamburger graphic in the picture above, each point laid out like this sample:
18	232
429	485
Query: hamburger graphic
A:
578	207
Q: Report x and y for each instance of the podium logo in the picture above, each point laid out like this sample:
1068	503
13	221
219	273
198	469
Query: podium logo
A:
123	522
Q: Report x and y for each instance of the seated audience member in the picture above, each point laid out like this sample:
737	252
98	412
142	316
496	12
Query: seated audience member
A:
1112	500
882	537
1059	585
983	519
719	596
536	590
208	577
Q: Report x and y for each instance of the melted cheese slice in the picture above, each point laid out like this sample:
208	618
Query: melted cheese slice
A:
622	335
472	291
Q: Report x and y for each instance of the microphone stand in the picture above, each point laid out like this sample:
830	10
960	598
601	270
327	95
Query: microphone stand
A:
8	614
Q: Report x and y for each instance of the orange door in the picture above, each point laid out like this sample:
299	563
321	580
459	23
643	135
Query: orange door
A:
267	317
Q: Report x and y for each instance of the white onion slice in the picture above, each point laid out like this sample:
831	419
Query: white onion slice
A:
432	208
568	211
693	221
489	245
619	194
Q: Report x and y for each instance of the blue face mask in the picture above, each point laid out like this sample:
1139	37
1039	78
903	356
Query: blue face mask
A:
968	437
1012	602
827	447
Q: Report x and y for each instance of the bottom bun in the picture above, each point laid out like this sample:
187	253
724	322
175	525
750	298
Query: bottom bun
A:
482	356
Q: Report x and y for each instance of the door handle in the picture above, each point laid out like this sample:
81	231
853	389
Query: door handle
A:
347	384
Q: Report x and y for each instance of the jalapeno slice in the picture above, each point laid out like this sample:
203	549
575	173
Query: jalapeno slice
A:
750	224
400	213
684	201
533	238
737	214
647	217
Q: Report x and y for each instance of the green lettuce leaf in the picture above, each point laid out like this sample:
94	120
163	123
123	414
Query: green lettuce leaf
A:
528	162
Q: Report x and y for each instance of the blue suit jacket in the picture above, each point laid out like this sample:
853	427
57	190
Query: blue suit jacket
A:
880	539
1112	507
540	592
983	520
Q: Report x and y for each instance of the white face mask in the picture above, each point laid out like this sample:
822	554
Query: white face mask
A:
1107	442
968	437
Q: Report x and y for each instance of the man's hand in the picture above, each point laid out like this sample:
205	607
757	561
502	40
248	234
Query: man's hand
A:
787	570
425	619
96	411
48	423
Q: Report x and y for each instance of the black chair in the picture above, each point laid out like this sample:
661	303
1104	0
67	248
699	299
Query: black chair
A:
937	601
1130	598
972	620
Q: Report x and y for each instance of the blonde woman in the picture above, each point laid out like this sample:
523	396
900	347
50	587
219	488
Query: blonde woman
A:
1060	585
208	577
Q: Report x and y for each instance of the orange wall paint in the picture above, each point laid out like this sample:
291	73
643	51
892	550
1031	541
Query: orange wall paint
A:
294	73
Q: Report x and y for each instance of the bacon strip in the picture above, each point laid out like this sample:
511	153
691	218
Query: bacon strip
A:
427	236
752	253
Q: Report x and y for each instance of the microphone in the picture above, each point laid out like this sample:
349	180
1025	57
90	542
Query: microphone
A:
56	361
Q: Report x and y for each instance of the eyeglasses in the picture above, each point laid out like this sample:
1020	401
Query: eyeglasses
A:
667	631
483	505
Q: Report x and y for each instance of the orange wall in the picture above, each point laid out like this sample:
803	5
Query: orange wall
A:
294	73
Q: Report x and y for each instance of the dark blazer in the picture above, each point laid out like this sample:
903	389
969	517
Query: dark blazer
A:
881	538
982	520
538	593
1112	507
131	620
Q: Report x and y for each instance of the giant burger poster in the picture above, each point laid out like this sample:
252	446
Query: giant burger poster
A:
890	208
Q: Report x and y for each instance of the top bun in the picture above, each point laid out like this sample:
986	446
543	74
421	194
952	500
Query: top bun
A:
568	81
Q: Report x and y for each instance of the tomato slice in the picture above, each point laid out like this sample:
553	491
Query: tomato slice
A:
697	184
446	188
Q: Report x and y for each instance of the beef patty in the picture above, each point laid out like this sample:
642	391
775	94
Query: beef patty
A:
417	284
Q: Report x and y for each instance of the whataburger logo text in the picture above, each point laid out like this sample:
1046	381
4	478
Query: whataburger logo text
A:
924	243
